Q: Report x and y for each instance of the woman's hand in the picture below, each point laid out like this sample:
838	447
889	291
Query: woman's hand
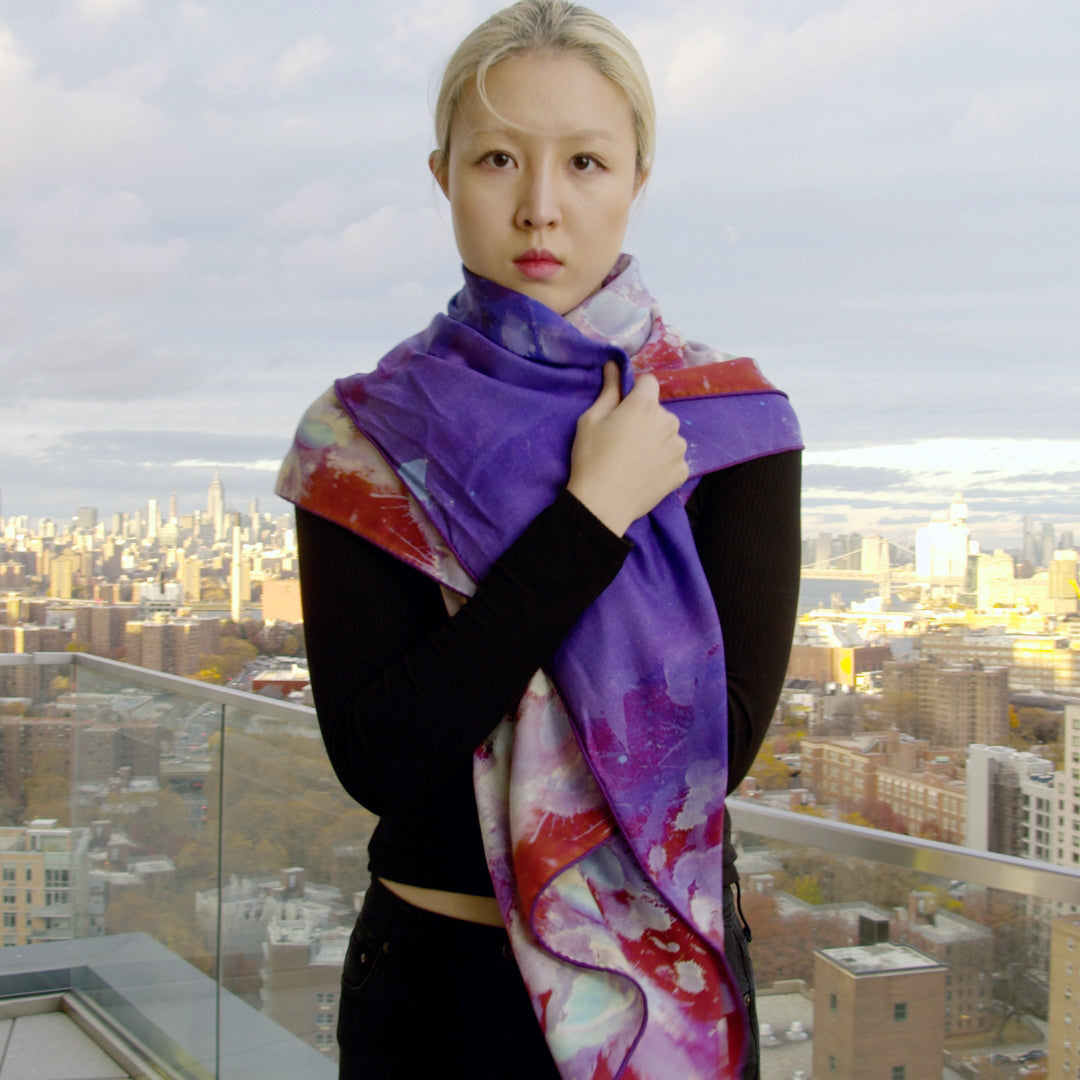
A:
627	455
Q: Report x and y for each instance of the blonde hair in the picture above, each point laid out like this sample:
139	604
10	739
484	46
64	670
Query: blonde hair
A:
547	25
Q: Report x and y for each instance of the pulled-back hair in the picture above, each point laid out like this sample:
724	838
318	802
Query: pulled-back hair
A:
531	26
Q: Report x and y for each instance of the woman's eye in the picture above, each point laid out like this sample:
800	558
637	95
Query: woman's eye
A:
498	159
584	163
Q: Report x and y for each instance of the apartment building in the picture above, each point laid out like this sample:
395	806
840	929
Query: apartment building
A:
921	785
1010	796
966	950
1065	816
301	980
1063	1032
1047	663
878	1013
951	704
44	889
844	768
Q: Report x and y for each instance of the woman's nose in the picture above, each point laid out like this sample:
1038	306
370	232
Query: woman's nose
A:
538	207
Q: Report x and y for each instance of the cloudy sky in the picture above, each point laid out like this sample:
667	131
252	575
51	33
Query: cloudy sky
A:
210	210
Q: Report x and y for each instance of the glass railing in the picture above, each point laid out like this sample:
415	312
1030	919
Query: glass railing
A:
198	887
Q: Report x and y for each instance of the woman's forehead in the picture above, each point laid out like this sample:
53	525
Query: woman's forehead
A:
558	95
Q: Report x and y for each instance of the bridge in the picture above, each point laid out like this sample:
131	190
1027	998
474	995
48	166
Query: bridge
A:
885	578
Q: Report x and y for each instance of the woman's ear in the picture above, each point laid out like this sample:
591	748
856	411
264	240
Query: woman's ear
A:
437	164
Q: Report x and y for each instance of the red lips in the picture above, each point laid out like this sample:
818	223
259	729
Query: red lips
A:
538	264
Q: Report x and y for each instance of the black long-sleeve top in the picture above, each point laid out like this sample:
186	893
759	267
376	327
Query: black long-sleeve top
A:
404	692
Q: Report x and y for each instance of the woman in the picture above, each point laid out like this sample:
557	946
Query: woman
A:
547	758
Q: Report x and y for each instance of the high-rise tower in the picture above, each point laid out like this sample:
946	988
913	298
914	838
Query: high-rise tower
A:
215	504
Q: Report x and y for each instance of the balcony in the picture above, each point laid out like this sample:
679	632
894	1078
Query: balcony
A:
230	887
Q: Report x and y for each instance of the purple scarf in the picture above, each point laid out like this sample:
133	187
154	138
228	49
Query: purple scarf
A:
606	859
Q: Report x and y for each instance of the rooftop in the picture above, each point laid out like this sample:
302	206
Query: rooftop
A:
880	959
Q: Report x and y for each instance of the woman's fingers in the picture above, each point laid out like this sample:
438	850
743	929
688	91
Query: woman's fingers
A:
608	398
627	455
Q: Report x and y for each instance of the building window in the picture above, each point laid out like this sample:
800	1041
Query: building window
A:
899	1010
899	1072
29	874
832	1063
9	919
832	1002
9	874
9	896
324	1016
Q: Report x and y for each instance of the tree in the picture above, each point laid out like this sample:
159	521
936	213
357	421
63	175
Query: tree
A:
157	821
212	591
1039	725
1015	948
768	770
880	815
166	918
808	890
196	862
784	946
929	829
900	709
47	792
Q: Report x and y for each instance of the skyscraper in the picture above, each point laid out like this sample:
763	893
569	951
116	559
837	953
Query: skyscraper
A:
86	518
215	504
1046	548
941	548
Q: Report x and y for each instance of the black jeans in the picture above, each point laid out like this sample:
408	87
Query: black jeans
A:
426	995
736	942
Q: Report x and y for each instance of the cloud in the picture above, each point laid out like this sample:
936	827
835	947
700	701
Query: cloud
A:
52	133
849	477
316	207
96	361
383	247
180	448
80	245
421	35
129	466
303	61
744	60
108	10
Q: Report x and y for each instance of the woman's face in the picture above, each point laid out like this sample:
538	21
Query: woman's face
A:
541	187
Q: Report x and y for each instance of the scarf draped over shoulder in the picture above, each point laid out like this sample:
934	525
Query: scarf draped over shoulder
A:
601	800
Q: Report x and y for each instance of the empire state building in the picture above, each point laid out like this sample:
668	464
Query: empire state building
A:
215	504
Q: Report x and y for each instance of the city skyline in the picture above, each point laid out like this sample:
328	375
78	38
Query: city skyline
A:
215	504
208	221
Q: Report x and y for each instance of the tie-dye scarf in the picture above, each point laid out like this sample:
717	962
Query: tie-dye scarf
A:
601	801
